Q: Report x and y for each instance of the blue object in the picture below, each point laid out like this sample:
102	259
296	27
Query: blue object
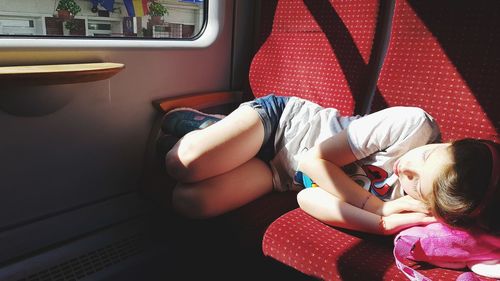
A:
304	180
106	4
179	122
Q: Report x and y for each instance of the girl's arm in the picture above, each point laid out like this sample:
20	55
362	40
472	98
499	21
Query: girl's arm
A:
333	211
322	164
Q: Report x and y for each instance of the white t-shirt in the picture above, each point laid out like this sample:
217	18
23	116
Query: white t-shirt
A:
377	140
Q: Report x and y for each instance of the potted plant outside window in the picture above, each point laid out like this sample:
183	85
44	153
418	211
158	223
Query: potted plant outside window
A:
70	25
157	11
67	9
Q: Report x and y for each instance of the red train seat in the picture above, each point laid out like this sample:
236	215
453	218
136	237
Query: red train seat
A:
442	57
319	50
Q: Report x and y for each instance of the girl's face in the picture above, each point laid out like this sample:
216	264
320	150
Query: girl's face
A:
418	169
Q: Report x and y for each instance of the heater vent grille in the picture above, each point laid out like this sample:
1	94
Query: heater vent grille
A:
91	262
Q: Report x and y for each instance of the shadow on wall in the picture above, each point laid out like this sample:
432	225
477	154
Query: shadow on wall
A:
33	101
36	101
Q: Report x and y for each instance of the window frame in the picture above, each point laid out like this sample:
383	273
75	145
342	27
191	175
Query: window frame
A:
213	20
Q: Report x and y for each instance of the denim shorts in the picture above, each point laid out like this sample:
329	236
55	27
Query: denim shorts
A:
269	108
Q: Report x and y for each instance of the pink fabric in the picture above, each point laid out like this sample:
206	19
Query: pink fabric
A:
468	276
441	245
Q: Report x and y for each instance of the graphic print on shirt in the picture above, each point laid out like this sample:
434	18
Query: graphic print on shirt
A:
373	179
378	177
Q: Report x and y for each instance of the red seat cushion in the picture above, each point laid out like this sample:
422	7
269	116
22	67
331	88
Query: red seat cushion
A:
327	253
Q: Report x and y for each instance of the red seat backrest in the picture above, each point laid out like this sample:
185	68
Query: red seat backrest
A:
317	49
444	57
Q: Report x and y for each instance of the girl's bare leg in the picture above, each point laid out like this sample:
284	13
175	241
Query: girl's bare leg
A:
225	192
217	149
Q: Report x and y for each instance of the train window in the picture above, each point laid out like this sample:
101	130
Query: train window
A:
170	20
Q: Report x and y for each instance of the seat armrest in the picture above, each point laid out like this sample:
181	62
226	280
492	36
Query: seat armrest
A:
198	101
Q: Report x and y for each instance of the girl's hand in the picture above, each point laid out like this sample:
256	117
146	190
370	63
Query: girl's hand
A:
403	204
396	222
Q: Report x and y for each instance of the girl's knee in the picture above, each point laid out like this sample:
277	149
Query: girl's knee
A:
175	168
181	161
305	197
301	197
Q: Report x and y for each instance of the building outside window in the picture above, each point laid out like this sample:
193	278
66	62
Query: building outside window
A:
102	18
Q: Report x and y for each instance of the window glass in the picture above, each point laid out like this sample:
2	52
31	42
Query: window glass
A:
102	18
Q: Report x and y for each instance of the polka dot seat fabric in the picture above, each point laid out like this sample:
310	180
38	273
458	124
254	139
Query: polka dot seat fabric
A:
442	56
327	253
316	49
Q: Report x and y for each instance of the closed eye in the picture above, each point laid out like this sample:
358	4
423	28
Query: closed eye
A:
415	185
